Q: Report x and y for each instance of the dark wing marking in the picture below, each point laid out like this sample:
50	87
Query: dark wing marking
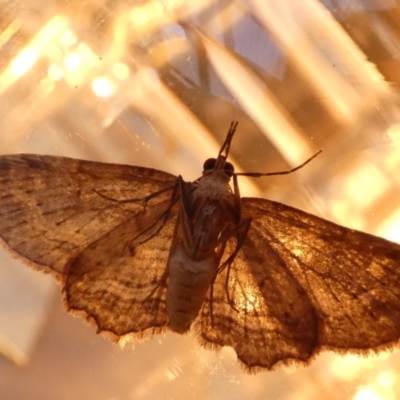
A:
300	284
50	211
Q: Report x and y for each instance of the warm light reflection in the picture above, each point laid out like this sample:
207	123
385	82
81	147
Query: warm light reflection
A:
341	210
68	38
153	11
299	252
144	14
246	296
120	71
73	61
27	57
55	72
366	178
77	68
359	181
24	61
351	366
11	29
394	132
74	64
172	4
86	52
385	379
102	87
390	227
46	86
54	52
367	393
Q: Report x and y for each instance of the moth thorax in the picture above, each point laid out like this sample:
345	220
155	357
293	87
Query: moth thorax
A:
188	283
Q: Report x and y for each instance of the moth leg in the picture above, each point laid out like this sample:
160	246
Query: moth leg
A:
159	284
241	234
178	193
187	226
238	200
164	216
143	200
241	231
219	256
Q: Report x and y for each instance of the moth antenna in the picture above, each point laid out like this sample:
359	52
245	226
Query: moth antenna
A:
260	174
227	143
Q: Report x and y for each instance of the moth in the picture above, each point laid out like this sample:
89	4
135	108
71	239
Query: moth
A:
139	251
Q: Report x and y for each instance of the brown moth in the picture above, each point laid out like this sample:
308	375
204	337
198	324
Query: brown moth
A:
140	251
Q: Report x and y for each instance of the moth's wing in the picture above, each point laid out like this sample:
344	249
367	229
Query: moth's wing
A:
60	214
120	284
315	285
51	208
267	316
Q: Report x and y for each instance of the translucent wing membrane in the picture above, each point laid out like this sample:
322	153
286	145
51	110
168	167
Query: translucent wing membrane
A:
301	283
52	208
119	284
80	221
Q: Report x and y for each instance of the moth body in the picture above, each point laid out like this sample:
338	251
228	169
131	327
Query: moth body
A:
207	212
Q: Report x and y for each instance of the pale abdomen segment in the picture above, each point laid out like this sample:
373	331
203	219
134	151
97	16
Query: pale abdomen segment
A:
188	282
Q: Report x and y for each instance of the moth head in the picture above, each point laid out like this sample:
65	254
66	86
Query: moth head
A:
218	164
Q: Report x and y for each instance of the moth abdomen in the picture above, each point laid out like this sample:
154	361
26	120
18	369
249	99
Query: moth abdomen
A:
188	283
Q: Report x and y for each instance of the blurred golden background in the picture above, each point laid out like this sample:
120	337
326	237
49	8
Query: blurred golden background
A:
156	84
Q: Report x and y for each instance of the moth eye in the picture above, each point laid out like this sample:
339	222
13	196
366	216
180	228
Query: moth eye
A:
209	164
229	169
